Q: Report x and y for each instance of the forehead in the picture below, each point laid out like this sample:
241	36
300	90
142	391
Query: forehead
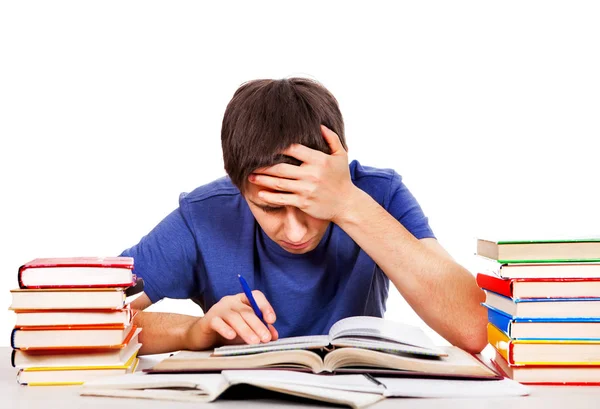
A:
251	194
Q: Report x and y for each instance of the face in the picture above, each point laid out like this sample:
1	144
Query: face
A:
288	226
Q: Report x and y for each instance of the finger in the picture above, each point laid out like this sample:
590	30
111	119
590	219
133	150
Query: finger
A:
278	184
333	140
303	153
221	327
265	306
239	325
256	325
280	199
283	170
274	333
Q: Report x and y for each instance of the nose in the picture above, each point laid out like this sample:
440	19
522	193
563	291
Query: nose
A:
294	225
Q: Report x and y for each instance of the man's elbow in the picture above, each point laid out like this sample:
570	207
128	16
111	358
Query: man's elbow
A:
474	338
474	343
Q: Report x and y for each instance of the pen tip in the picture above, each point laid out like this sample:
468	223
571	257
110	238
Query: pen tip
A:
239	275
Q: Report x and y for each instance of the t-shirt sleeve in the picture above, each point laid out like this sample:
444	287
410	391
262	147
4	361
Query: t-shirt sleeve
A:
166	259
405	208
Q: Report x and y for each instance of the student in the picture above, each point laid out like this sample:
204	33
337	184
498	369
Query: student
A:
318	239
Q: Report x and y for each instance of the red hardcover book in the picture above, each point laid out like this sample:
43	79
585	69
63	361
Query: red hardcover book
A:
548	375
519	288
74	272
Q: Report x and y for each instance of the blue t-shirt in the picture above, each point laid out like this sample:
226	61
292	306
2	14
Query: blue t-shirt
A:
198	250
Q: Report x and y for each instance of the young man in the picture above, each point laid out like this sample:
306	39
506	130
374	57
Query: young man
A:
317	238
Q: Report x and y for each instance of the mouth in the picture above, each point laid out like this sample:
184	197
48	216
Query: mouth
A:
296	246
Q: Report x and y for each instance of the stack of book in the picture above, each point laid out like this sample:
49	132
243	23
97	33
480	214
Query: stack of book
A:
73	322
543	305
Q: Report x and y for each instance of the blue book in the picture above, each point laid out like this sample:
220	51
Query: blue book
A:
550	308
582	329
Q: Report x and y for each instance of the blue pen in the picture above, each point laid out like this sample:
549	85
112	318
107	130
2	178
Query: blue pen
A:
253	304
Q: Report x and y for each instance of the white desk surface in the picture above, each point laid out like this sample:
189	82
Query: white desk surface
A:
12	395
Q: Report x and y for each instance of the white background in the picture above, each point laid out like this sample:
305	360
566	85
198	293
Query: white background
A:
110	109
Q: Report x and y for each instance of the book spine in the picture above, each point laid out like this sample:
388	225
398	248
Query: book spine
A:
499	320
12	358
20	277
500	341
497	285
12	338
19	378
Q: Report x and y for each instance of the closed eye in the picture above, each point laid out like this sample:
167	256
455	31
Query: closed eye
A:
271	209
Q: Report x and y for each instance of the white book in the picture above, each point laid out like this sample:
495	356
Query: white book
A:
92	317
68	299
361	332
356	391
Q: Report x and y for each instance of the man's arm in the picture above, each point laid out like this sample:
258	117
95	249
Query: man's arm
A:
231	320
443	293
161	332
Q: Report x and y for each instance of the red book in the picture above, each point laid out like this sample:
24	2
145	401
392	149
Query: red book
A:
519	288
76	272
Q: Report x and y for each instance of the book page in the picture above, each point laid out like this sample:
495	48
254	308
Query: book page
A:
202	361
355	400
451	388
210	385
354	383
283	344
457	363
381	329
386	346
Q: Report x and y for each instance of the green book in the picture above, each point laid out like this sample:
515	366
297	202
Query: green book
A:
540	251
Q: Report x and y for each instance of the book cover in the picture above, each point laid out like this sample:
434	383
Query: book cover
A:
548	308
72	375
521	288
553	350
71	299
548	375
76	272
544	270
77	340
540	251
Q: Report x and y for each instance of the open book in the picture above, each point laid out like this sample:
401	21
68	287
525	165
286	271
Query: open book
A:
354	345
360	332
356	391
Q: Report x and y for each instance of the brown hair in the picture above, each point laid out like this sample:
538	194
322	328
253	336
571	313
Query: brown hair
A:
265	117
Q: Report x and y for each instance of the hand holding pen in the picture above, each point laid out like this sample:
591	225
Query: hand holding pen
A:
245	317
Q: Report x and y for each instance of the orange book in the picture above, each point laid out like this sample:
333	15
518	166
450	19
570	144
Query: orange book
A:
52	337
73	318
35	358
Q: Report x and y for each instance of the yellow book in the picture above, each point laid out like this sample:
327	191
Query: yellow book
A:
73	375
544	352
